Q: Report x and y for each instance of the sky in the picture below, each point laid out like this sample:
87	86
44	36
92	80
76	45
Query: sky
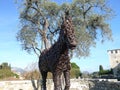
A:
11	52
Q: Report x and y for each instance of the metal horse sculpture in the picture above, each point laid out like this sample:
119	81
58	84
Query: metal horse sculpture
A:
56	58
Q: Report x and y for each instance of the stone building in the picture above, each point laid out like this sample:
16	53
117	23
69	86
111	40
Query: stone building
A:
114	57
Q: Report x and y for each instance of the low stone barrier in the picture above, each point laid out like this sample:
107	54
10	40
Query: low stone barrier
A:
76	84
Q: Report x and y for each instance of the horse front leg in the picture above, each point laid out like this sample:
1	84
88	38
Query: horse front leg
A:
67	79
57	81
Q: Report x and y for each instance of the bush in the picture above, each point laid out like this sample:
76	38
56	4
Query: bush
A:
75	71
6	73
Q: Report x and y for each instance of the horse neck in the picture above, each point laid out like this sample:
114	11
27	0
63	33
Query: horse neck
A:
60	46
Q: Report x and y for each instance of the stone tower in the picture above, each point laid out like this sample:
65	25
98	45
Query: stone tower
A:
114	57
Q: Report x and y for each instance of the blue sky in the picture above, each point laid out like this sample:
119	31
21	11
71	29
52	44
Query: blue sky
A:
11	52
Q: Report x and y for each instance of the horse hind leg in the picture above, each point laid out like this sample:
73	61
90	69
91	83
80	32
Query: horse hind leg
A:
44	76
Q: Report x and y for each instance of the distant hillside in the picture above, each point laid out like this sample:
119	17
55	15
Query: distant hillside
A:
18	70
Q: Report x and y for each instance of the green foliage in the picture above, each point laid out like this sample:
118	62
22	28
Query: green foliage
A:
41	20
74	66
101	70
90	23
5	66
15	75
5	71
75	71
104	72
95	74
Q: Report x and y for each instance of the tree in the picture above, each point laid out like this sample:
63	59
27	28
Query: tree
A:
75	70
33	75
32	71
74	65
105	72
95	74
5	71
41	21
101	70
5	65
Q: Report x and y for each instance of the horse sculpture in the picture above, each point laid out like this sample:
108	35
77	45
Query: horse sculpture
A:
56	58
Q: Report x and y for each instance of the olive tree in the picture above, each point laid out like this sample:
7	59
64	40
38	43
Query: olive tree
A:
41	21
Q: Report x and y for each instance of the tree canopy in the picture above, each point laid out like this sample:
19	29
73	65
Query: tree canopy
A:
41	21
5	71
75	70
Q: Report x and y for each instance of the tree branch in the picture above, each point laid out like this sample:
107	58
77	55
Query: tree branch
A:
35	50
85	12
39	50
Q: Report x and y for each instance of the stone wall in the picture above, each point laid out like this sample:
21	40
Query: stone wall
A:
104	85
76	84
